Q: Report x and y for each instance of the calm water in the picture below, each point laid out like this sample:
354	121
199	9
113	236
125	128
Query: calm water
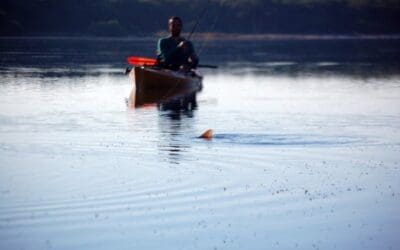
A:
305	153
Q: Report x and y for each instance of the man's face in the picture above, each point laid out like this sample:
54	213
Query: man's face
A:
175	27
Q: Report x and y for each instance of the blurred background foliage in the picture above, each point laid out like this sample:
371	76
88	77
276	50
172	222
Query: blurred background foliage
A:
149	17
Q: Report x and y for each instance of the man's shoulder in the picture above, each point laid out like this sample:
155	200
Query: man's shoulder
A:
166	38
163	40
170	38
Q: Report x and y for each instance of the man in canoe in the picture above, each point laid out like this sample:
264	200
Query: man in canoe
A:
175	52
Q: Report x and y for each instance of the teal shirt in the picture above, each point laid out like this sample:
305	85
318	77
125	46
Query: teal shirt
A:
172	57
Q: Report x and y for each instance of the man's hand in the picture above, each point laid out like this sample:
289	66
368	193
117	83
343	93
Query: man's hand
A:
183	45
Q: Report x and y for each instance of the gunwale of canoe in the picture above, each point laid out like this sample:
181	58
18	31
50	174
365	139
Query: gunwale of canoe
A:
151	78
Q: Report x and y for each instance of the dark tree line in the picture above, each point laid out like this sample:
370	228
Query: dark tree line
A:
146	17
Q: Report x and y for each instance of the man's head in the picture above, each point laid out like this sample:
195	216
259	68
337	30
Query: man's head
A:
175	26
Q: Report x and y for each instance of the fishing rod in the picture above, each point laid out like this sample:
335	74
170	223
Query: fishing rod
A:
194	28
198	19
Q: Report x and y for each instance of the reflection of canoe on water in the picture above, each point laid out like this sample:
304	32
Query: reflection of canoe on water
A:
156	86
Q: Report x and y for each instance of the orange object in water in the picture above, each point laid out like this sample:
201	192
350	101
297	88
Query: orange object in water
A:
207	135
141	61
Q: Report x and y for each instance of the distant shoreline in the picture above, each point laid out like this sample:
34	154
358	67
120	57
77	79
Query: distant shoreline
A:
220	36
248	37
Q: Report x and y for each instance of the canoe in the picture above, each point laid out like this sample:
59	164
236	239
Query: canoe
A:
155	78
153	85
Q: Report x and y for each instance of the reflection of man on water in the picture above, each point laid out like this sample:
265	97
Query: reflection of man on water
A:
175	52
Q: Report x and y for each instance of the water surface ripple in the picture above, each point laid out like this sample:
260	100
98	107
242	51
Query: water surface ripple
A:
305	160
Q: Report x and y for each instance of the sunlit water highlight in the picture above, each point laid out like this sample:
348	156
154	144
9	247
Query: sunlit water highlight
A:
297	161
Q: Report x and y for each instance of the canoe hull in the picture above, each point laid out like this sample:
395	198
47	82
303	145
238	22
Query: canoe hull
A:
152	86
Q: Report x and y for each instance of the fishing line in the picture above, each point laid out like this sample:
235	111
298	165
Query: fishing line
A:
203	43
